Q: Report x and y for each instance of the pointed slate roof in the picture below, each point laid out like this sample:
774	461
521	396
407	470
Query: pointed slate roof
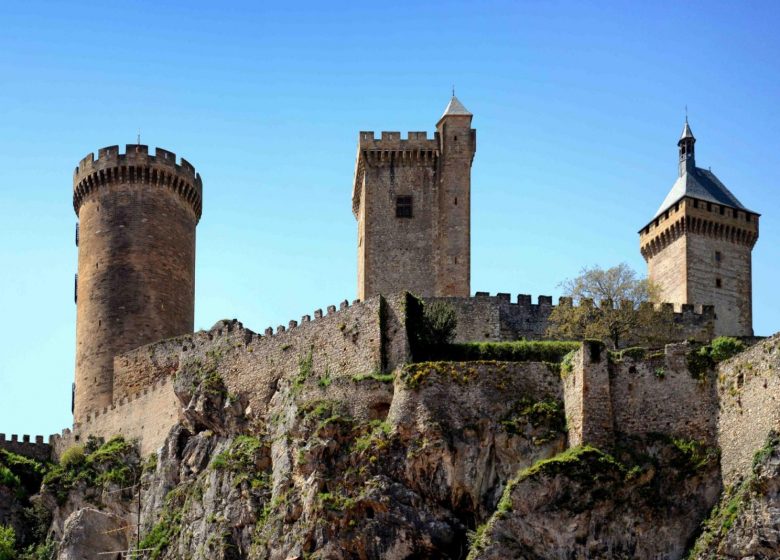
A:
686	133
455	107
702	184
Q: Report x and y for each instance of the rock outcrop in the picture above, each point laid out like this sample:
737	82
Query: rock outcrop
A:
436	460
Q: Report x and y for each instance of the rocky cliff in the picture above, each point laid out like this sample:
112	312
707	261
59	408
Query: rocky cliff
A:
436	460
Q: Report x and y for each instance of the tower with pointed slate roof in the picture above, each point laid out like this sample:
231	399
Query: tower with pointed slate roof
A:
698	245
412	201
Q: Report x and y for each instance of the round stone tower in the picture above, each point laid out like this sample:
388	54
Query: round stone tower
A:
136	266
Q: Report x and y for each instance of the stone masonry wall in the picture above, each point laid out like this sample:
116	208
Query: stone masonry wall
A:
733	299
748	388
486	318
587	400
144	366
636	397
147	417
668	271
352	340
34	448
659	394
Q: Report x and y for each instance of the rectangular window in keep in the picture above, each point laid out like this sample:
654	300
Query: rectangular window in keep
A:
403	207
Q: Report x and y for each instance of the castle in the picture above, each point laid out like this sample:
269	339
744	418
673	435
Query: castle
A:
137	219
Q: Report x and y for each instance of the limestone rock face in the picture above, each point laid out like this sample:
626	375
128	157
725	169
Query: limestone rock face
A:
746	523
585	504
438	460
353	469
89	532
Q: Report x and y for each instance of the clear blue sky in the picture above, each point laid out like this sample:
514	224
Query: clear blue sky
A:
577	110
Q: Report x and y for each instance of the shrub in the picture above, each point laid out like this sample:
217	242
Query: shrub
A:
43	551
518	351
112	462
724	347
7	478
29	471
720	349
7	543
72	457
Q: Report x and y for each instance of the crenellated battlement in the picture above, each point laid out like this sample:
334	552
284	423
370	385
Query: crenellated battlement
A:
307	319
137	166
701	218
416	149
486	317
391	140
158	385
35	447
546	302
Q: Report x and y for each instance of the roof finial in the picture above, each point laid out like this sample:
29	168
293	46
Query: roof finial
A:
138	139
453	90
686	113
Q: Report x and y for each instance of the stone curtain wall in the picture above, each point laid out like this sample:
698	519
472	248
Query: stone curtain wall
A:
749	393
485	318
660	395
331	345
344	341
146	417
636	397
34	448
144	366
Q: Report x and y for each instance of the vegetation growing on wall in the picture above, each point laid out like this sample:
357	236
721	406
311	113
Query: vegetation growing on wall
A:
517	351
734	500
112	463
703	359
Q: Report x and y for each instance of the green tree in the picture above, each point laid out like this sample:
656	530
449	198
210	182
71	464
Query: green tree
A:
613	305
439	323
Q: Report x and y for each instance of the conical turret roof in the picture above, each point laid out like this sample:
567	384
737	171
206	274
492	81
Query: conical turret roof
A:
455	107
686	133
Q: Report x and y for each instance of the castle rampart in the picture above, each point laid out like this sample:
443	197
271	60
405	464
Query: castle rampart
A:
34	448
146	417
748	388
346	340
485	318
638	396
658	394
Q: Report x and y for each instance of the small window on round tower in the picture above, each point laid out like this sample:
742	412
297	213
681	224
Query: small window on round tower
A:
718	256
718	283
